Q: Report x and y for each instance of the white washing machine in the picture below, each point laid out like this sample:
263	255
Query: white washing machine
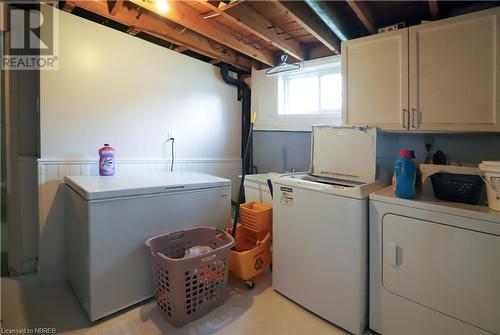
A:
434	266
107	220
320	227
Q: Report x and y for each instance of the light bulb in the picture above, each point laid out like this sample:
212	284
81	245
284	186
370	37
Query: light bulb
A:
162	6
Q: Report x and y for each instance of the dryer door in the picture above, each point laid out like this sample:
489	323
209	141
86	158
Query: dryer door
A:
451	270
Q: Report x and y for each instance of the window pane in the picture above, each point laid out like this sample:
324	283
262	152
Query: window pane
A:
302	95
331	91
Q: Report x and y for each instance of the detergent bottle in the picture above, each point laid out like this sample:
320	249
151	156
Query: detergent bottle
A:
405	173
106	161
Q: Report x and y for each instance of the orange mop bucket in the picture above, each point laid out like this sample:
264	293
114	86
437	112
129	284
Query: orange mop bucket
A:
256	216
252	253
251	256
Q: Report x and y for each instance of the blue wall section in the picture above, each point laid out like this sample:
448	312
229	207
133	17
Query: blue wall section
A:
283	151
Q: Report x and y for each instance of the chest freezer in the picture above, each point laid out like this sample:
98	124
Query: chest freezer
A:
107	220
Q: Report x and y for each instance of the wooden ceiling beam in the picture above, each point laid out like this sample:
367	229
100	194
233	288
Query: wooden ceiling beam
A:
364	15
133	30
68	6
115	6
247	18
318	51
181	13
223	6
181	48
300	12
153	25
218	7
214	3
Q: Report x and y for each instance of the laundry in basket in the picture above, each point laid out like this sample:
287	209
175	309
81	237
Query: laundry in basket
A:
186	288
197	250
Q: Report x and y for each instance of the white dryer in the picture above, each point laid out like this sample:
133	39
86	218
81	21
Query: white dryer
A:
434	266
320	227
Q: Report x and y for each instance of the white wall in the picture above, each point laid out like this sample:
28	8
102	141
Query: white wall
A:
112	87
118	89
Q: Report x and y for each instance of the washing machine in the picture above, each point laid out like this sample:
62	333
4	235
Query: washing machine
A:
320	227
434	266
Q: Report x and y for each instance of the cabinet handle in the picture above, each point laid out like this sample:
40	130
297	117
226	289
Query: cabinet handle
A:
414	118
405	121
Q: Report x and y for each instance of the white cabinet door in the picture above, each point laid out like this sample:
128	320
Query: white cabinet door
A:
450	270
454	73
375	80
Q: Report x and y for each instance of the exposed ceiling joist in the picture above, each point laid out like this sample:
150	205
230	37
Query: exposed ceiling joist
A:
115	6
247	18
318	51
224	6
299	11
214	3
151	24
220	6
68	6
364	15
181	48
133	30
434	9
182	14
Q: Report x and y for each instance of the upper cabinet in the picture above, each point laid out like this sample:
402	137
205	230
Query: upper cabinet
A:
375	80
454	74
449	68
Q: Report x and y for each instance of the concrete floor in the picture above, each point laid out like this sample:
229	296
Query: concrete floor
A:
24	304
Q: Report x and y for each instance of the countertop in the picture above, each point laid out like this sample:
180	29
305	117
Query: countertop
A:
427	201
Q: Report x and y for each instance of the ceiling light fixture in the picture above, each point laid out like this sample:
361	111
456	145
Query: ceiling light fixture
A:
162	6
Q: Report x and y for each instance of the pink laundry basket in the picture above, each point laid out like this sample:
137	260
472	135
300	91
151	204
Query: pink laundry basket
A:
188	288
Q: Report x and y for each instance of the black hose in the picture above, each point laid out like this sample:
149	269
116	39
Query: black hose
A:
246	137
270	187
245	110
243	174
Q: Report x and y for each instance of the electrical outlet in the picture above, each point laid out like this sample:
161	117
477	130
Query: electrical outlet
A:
170	134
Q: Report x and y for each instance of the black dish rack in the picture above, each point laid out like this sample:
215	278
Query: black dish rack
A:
465	188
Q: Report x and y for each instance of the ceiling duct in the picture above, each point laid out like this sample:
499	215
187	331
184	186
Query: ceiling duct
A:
325	13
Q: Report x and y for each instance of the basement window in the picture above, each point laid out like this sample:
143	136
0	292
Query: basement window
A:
297	101
316	92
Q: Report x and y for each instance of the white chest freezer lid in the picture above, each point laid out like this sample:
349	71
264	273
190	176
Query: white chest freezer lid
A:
344	152
97	187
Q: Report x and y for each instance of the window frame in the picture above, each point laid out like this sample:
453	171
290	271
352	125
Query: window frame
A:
268	99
